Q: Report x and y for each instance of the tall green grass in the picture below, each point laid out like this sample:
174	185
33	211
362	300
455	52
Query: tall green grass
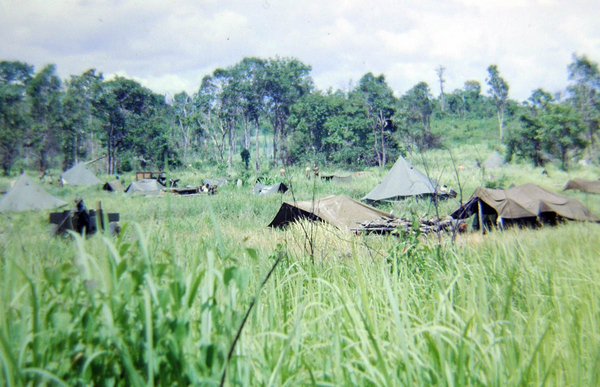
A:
161	304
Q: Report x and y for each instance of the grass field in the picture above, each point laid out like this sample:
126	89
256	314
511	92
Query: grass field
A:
161	304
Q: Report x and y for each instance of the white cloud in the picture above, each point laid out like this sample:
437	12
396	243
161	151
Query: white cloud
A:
168	45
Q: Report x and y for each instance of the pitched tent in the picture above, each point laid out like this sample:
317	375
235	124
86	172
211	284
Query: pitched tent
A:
113	186
261	189
79	175
216	182
337	178
340	211
589	186
494	161
147	187
27	195
401	181
527	202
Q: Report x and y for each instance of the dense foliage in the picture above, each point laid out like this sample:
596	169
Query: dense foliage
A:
271	108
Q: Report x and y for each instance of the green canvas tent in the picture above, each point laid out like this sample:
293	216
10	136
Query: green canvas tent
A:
340	211
589	186
26	195
526	203
147	187
79	175
337	178
261	189
216	182
401	181
113	186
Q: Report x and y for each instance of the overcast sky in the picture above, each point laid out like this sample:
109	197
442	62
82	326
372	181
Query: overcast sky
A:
169	45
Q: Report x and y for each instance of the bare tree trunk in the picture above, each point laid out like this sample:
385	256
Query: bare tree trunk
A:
501	122
257	148
230	141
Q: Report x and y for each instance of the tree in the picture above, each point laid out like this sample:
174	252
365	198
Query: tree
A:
562	130
547	126
128	114
440	73
77	115
185	115
380	103
417	109
14	108
285	81
44	92
250	73
499	92
584	94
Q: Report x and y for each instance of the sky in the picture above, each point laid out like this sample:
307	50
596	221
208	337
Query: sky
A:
170	45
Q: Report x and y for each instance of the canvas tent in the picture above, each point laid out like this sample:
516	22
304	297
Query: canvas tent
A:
494	161
216	182
401	181
27	195
337	178
340	211
79	175
113	186
589	186
523	203
148	187
261	189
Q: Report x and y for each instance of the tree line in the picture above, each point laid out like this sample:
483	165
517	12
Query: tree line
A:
46	120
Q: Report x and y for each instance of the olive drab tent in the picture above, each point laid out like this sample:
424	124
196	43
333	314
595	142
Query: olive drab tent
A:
589	186
216	182
113	186
401	181
148	187
79	175
527	202
494	161
337	178
340	211
27	195
261	189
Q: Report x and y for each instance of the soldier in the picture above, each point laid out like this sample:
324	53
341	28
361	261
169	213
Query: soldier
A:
316	170
307	172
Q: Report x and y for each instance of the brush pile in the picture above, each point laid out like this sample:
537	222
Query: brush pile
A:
385	225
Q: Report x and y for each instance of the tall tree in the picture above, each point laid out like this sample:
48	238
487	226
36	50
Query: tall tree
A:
584	93
562	131
14	77
186	120
286	80
440	73
250	73
380	103
124	108
44	91
77	115
499	92
417	108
